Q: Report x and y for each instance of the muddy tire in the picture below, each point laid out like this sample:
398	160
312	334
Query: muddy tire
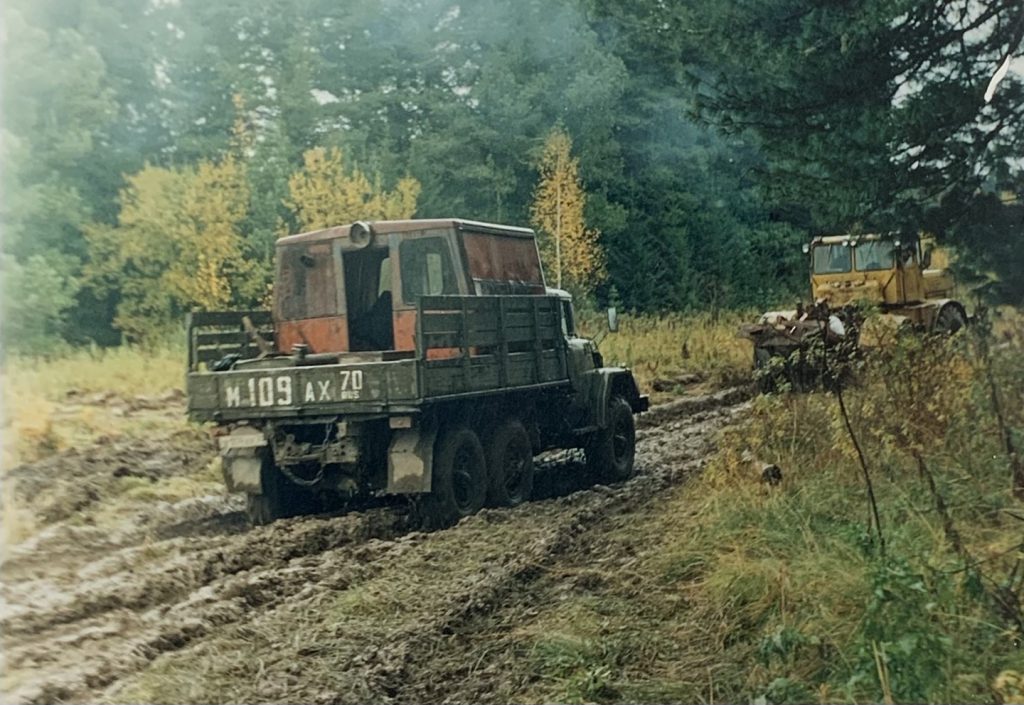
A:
280	498
459	481
265	508
610	454
509	465
261	509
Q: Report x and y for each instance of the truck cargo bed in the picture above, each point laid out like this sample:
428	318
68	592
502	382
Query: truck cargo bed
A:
465	346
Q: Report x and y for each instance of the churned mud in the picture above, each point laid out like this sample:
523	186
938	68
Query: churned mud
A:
181	602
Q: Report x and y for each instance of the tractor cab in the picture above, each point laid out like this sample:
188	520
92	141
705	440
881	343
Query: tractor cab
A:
880	269
354	288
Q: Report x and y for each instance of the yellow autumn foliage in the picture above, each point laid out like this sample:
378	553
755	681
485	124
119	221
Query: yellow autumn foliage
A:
214	203
1009	686
177	245
324	193
569	249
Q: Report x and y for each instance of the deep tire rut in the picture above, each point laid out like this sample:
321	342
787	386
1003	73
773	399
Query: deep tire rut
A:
404	670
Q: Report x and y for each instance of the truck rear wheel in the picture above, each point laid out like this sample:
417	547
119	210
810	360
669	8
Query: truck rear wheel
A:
279	499
261	509
268	506
459	478
611	453
509	465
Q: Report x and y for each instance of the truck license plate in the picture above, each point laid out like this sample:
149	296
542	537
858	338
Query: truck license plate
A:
280	390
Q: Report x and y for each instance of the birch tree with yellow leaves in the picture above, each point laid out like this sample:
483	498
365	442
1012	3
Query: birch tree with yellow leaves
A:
568	248
325	193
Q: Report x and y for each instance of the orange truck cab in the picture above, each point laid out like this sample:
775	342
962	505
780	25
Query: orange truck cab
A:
354	288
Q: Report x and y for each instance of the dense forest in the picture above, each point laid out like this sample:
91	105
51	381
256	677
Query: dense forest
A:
153	151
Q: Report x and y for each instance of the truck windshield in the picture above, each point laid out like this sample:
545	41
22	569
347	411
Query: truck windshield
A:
306	282
875	255
832	259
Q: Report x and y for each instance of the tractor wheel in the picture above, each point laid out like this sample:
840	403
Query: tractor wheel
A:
509	465
611	452
459	478
951	318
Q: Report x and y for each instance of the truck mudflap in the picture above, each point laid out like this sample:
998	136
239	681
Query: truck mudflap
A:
410	460
243	453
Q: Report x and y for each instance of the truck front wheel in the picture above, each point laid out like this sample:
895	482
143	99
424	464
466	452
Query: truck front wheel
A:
459	478
610	454
510	465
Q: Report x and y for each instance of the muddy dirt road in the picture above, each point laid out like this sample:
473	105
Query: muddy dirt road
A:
183	604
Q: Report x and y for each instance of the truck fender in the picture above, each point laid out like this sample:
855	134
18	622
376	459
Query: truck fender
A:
242	454
615	381
411	459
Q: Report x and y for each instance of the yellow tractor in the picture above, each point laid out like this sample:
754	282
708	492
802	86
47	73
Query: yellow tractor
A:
908	280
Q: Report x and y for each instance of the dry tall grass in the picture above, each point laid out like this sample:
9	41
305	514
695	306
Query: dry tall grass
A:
663	346
40	414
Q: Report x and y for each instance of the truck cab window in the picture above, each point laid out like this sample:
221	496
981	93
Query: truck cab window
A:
875	255
426	268
306	282
832	259
568	324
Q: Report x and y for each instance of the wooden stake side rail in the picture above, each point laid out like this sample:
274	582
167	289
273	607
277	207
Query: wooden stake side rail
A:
494	342
214	334
464	344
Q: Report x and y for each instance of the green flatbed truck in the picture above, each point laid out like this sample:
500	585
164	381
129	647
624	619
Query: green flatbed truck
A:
423	358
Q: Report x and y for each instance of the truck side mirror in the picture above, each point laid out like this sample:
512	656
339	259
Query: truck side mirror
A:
613	319
926	259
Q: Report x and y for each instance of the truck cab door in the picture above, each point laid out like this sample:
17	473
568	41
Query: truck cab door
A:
579	358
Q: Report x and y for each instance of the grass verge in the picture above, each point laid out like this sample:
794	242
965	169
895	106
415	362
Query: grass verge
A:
744	590
661	348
